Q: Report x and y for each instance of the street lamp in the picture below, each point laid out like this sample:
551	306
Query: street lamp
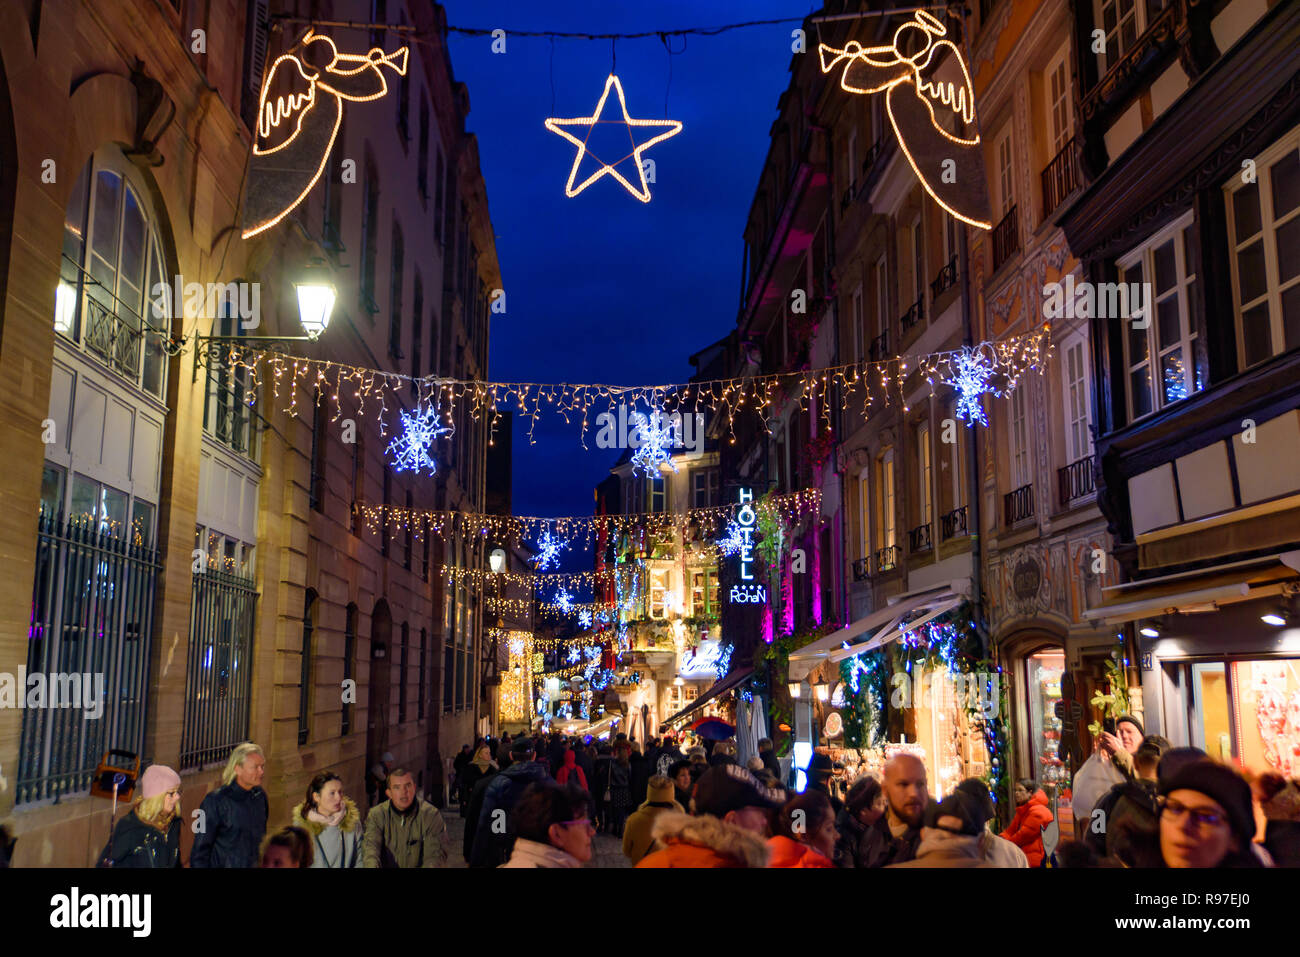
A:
497	560
823	690
796	689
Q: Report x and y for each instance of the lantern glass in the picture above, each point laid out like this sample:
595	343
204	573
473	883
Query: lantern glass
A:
315	304
796	689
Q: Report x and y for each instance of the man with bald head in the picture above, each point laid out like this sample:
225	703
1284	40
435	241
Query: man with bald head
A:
893	839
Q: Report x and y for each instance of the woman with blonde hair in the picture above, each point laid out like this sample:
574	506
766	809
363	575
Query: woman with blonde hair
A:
150	833
332	821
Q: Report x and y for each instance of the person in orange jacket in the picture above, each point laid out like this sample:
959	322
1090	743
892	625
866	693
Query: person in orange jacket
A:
1032	815
805	832
730	826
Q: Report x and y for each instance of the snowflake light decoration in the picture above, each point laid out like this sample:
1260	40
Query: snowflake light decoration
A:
732	542
574	655
411	447
564	600
584	618
657	434
972	369
548	550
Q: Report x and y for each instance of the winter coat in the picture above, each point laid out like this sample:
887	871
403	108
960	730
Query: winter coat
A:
1282	830
640	823
337	845
770	762
414	839
999	852
849	846
1131	830
787	852
639	778
704	841
137	844
879	847
1026	829
469	777
475	810
528	853
234	824
555	753
492	848
570	775
940	848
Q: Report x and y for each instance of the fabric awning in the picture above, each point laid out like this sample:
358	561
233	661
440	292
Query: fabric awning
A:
882	625
721	686
1197	591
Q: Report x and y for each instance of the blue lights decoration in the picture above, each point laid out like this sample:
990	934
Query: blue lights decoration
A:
731	544
584	618
564	600
656	441
548	550
972	370
411	447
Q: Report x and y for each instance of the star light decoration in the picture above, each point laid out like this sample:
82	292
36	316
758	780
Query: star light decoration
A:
557	125
410	448
564	600
732	542
972	369
584	618
548	550
656	442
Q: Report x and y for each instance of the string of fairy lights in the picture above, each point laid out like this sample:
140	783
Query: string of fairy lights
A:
988	367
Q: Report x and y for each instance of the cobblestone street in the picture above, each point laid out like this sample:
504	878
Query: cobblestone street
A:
609	850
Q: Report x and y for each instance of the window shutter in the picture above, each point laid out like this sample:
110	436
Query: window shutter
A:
256	39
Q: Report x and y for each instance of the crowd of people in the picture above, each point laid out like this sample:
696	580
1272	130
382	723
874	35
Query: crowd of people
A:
540	800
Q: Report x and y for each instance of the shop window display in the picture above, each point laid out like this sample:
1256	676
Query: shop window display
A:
1044	671
1267	714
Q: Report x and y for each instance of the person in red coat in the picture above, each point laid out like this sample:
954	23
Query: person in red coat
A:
1032	815
570	775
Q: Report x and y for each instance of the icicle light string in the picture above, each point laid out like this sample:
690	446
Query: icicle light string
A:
1002	364
711	520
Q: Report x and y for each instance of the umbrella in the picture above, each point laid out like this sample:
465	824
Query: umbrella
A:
714	729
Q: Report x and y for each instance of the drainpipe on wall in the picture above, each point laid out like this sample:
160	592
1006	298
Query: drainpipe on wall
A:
973	519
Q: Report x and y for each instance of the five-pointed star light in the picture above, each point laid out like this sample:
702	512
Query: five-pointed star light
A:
556	125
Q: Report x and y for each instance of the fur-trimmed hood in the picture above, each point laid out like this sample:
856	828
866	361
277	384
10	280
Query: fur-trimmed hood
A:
351	819
744	847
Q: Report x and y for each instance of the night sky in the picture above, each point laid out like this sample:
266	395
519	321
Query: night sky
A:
601	287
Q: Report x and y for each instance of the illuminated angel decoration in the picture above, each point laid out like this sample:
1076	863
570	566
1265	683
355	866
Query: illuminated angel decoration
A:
928	114
299	113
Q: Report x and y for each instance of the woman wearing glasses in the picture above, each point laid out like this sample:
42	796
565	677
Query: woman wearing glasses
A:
1206	818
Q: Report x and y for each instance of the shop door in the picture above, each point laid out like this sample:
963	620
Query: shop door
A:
1211	716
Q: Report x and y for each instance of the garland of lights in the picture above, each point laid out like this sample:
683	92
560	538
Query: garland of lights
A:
596	404
456	574
789	507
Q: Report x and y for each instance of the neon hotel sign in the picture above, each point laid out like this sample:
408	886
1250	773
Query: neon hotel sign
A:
747	591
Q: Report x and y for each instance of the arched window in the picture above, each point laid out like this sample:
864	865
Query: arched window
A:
114	296
305	677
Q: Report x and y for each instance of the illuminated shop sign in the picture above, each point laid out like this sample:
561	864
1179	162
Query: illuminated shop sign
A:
747	591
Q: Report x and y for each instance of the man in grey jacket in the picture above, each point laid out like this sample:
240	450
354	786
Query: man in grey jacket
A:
404	831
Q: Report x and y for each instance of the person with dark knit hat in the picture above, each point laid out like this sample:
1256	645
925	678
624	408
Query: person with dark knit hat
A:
950	834
821	771
1207	818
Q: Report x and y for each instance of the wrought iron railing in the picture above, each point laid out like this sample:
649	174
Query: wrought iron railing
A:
861	570
1076	480
1006	238
879	349
92	617
919	538
914	314
953	523
946	279
115	339
887	558
1060	176
218	680
1019	505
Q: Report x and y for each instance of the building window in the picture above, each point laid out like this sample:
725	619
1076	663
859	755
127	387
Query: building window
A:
316	491
885	499
882	302
422	167
864	516
227	416
1021	470
704	593
395	295
1057	87
448	673
1123	21
358	482
659	595
349	667
305	675
1078	435
369	242
404	659
1264	236
657	494
425	564
704	487
859	325
1163	263
112	263
420	704
1005	182
925	473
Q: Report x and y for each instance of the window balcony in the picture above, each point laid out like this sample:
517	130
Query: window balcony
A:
913	316
946	279
886	558
953	524
1076	481
1006	238
919	539
1019	505
1061	177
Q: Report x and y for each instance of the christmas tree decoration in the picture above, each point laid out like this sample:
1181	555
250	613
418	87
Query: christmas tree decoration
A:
299	112
922	108
411	448
559	126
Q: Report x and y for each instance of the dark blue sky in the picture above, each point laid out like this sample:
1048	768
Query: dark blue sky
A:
601	287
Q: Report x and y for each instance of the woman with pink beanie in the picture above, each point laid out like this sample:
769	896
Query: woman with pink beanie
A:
150	834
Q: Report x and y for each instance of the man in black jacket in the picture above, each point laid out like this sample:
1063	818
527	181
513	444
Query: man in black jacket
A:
494	838
893	839
233	817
